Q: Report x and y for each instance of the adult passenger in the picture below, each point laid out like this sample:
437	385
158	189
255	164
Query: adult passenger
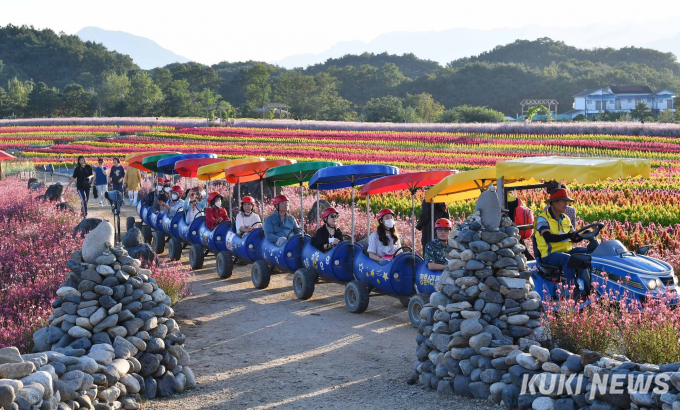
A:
246	218
329	234
384	242
278	225
214	213
192	207
436	252
175	203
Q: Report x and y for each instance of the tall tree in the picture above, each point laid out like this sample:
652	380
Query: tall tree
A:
145	97
198	76
424	105
162	77
206	98
76	102
258	85
18	93
115	87
641	111
384	109
178	102
43	101
326	104
5	103
296	91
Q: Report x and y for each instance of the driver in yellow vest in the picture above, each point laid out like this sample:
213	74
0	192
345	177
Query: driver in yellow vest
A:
554	234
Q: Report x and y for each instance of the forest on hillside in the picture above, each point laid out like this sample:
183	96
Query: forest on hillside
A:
48	74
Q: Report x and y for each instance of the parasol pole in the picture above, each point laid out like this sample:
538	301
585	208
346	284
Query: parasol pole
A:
317	207
432	220
238	188
229	188
302	210
413	220
261	199
352	205
368	215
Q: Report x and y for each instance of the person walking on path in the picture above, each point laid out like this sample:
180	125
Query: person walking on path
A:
133	179
101	180
83	176
116	175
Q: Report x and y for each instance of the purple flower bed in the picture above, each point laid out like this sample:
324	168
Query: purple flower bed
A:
557	128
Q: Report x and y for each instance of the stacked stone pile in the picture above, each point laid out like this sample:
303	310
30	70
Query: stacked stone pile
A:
483	310
479	335
111	338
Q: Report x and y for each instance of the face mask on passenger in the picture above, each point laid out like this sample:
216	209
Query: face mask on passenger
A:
218	203
175	197
389	223
159	188
167	189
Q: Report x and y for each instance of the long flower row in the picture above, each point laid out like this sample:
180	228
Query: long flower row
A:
76	129
472	147
428	137
555	128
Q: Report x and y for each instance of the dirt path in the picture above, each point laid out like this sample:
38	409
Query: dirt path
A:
261	349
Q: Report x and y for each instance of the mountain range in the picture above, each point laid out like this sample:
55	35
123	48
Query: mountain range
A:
440	46
448	45
146	53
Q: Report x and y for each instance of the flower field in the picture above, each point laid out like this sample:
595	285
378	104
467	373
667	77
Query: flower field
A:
635	211
461	151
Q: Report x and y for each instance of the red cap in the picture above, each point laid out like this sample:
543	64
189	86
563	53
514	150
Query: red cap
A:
178	189
327	212
280	198
559	194
248	200
212	196
160	180
443	223
384	212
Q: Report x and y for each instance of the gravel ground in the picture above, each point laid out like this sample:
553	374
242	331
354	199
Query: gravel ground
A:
261	349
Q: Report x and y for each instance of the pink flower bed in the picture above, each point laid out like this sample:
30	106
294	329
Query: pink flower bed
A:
646	332
35	242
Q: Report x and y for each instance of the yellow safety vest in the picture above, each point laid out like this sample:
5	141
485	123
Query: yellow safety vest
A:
547	248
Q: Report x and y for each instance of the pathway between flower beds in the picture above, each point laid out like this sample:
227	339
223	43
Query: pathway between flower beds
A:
264	348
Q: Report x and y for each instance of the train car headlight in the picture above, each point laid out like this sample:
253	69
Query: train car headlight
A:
651	284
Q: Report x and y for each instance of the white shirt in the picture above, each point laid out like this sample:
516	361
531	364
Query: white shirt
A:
375	246
242	220
193	211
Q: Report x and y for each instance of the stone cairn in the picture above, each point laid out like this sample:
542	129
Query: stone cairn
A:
111	339
483	311
479	335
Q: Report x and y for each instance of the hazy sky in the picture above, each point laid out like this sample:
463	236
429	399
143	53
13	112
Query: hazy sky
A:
213	31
